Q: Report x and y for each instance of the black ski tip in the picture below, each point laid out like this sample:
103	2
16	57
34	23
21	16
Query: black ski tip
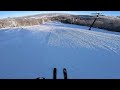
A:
64	69
55	69
65	73
54	73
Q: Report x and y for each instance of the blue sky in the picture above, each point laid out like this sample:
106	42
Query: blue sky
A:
4	14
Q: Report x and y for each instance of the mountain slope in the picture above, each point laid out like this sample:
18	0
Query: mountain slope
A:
30	52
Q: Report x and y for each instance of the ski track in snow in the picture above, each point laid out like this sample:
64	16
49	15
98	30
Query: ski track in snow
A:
33	51
65	35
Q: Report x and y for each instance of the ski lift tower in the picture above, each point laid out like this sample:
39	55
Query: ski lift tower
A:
97	15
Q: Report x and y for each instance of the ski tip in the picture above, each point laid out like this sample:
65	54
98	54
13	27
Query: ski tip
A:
54	68
64	69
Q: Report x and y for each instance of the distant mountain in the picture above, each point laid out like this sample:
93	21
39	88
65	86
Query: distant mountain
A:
44	15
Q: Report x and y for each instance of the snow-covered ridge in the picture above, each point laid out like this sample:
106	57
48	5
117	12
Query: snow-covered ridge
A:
47	15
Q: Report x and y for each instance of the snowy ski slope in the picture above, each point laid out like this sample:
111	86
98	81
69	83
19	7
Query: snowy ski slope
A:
33	51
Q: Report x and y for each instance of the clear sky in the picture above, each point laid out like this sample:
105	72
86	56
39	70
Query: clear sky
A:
4	14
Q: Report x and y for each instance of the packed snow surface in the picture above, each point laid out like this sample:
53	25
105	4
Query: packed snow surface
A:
33	51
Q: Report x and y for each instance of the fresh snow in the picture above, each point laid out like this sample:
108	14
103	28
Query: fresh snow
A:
33	51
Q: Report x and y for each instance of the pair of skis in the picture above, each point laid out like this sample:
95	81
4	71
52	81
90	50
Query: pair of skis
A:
55	73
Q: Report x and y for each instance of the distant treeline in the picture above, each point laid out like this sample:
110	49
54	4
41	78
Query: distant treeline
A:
103	22
17	22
